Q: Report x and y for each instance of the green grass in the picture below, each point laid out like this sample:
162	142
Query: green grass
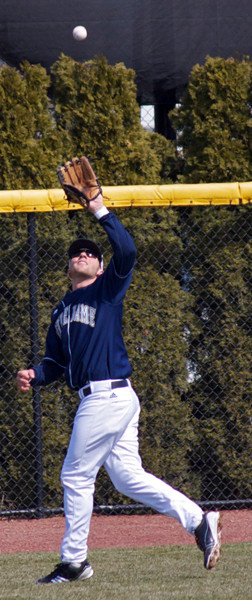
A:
172	573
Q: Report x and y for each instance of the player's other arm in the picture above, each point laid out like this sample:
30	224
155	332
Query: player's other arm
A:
43	374
51	368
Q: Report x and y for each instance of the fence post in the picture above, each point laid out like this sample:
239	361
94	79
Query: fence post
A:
34	338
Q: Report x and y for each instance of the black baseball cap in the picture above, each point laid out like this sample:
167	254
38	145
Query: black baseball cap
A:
84	244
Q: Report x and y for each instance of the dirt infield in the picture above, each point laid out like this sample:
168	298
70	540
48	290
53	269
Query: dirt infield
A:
44	535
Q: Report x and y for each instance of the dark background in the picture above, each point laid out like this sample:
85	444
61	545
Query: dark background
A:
160	39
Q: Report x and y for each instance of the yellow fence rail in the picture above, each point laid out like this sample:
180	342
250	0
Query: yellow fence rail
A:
202	194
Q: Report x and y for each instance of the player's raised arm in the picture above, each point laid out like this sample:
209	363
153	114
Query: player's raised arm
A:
81	186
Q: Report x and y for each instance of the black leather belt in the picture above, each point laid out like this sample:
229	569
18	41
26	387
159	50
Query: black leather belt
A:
86	390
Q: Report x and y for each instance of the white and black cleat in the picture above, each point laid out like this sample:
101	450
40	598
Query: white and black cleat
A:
208	538
65	572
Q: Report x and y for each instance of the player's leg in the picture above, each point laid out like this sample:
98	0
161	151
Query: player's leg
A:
99	422
124	467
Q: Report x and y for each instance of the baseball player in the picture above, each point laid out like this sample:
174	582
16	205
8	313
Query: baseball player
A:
84	342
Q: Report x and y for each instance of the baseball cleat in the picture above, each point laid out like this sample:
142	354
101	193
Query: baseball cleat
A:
208	538
68	572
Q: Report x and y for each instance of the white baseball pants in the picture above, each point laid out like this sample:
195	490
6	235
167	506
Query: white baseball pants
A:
105	432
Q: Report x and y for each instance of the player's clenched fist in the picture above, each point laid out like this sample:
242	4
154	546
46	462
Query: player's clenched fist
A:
23	379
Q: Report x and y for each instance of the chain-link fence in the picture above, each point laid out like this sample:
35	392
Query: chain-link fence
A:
187	328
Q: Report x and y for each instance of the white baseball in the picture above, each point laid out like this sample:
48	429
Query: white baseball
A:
79	33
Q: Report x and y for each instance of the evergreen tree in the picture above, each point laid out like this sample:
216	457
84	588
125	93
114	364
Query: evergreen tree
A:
218	262
214	122
214	125
97	114
30	145
187	322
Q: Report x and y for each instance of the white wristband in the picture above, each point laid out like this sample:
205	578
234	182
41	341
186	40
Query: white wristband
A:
101	212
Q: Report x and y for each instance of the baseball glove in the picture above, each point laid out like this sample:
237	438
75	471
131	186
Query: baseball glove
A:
79	181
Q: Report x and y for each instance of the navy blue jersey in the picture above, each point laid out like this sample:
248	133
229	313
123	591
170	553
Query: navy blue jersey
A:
84	341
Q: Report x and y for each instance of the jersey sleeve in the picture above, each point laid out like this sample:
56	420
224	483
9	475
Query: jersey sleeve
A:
52	366
119	271
124	251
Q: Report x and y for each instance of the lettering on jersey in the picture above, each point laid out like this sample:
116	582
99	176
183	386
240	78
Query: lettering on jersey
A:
81	313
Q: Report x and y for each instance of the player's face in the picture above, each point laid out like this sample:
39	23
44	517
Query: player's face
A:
84	266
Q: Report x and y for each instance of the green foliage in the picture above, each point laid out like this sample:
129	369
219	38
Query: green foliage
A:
97	113
187	319
214	121
221	393
93	111
187	324
169	159
30	145
16	413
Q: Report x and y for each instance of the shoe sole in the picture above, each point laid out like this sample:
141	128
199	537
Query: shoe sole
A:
216	551
88	572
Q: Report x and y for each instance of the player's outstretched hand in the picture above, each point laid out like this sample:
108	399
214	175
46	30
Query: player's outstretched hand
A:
23	379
